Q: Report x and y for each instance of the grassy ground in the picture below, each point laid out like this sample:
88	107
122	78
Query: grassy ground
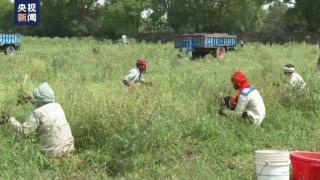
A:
168	131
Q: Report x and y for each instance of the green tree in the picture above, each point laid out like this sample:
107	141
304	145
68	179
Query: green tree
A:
82	17
159	17
54	19
195	15
243	16
275	21
6	16
66	18
305	15
214	15
123	16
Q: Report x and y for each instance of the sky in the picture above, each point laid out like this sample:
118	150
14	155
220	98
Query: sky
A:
267	5
101	1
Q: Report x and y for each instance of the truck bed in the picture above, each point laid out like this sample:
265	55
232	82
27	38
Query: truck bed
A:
206	40
10	39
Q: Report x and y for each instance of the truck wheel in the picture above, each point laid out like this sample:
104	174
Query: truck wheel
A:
198	54
203	54
9	50
195	55
221	51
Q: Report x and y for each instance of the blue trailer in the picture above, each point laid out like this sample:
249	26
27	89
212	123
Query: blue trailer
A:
9	43
204	43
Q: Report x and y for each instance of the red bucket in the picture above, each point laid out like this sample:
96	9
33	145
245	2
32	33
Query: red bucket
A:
305	165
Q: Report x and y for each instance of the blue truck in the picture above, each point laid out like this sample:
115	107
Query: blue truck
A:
9	43
202	44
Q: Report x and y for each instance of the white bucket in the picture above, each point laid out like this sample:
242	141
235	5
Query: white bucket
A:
272	165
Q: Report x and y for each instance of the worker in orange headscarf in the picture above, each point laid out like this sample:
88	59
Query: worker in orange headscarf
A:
246	103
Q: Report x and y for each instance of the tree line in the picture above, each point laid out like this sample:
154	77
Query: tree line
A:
115	17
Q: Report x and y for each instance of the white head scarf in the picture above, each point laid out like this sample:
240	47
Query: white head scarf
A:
289	68
44	93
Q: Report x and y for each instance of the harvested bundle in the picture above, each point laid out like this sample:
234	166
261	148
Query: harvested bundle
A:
10	104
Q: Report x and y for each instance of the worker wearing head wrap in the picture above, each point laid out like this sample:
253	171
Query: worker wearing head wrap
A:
136	74
295	80
49	122
124	40
246	103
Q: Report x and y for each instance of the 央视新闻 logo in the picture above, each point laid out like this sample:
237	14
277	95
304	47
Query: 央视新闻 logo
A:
27	12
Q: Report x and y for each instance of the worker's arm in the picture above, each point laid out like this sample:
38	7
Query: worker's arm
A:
142	78
144	82
29	126
125	82
240	108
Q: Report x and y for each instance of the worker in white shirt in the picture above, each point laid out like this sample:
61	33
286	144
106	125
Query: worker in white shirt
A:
241	43
124	40
247	102
136	74
49	122
295	80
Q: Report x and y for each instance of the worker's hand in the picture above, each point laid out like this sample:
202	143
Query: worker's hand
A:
147	83
4	119
23	98
220	111
221	101
275	84
125	82
12	120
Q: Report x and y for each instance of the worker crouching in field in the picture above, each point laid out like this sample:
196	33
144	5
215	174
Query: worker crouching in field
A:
295	80
136	74
247	103
49	122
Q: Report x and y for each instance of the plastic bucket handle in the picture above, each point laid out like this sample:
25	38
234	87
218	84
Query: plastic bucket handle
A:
278	162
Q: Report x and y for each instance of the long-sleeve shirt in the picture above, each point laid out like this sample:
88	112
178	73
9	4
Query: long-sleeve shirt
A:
52	129
251	102
124	40
134	76
296	81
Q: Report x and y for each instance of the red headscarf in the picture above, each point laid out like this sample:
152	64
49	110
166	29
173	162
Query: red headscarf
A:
240	82
142	62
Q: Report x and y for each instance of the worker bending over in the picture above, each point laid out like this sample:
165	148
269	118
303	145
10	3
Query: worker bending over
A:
49	122
136	74
295	80
247	102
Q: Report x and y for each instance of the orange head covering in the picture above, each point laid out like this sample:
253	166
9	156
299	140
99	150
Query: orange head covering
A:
142	62
240	82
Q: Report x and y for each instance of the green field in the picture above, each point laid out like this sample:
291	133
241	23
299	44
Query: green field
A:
169	131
